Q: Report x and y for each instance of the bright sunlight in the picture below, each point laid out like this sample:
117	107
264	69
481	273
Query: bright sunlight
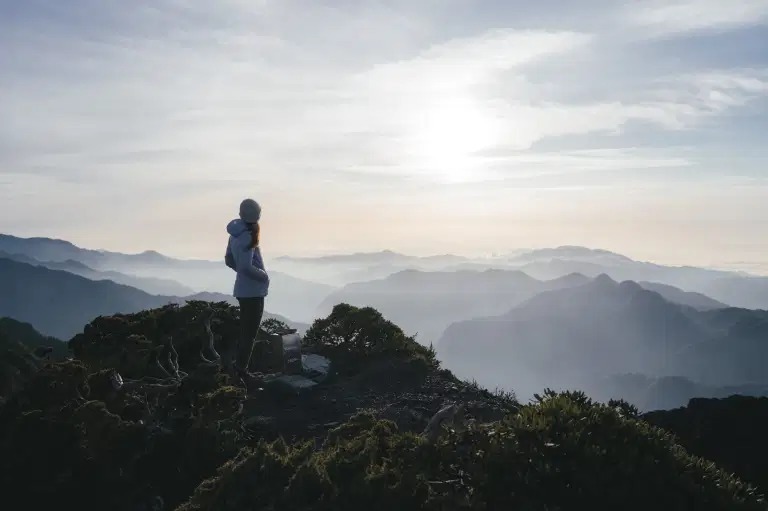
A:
448	136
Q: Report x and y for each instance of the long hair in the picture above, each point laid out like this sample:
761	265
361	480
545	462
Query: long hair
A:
255	234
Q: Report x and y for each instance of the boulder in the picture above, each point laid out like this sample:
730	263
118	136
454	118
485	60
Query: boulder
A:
290	383
315	367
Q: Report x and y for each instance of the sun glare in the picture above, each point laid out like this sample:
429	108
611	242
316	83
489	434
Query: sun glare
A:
448	135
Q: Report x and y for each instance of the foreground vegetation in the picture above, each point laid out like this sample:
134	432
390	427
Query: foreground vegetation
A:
730	431
74	436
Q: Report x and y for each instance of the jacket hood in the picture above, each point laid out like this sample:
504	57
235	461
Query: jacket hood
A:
237	227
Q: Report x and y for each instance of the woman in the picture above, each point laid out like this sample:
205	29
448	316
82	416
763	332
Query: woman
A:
252	282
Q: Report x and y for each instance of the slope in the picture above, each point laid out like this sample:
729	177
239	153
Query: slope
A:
26	334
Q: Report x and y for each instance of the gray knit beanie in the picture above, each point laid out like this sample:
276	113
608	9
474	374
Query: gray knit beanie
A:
250	211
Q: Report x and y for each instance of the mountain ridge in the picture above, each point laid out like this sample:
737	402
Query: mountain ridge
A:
59	303
150	285
427	302
575	336
291	296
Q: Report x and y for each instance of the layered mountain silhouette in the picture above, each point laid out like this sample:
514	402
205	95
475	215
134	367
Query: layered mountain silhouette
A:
737	289
155	273
555	328
383	257
666	392
675	295
342	269
55	250
59	303
428	302
148	284
726	287
581	336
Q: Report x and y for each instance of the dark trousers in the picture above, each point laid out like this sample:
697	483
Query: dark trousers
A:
251	312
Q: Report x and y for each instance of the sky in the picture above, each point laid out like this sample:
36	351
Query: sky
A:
423	126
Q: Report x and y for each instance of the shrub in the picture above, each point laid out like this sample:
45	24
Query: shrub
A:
352	335
730	431
274	326
67	441
125	342
561	452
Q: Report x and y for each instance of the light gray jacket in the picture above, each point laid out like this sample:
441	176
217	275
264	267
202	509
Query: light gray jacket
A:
252	280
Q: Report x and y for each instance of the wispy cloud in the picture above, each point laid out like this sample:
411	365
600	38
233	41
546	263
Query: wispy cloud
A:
176	103
203	99
680	16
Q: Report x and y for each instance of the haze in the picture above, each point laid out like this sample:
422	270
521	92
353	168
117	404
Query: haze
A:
423	127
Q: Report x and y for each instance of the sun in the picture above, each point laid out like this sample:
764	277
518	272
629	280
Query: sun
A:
447	136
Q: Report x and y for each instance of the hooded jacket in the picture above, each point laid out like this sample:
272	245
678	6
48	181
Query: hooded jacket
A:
252	280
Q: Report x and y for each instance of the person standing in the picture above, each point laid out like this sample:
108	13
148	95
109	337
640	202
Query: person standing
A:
243	255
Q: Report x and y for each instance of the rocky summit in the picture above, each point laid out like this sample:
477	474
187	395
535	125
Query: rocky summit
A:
142	416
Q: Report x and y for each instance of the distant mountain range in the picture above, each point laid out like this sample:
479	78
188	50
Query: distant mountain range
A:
301	283
732	288
383	257
148	284
736	289
60	303
581	336
155	273
698	301
342	269
666	392
558	317
54	250
428	302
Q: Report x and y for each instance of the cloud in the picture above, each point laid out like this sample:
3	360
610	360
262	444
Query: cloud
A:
683	101
680	16
301	102
453	131
202	102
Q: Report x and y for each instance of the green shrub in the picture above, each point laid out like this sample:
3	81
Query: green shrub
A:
730	431
67	441
125	341
562	452
351	335
274	326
